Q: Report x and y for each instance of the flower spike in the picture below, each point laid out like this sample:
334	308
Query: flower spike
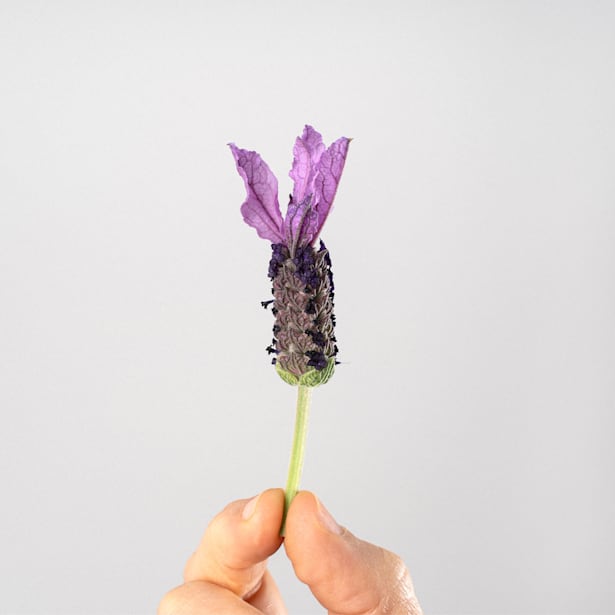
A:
304	343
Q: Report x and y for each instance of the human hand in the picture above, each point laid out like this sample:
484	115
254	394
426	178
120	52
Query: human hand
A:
228	572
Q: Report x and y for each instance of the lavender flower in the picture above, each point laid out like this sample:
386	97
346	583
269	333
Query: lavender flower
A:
304	341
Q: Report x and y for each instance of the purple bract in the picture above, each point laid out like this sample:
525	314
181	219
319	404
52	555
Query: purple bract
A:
316	172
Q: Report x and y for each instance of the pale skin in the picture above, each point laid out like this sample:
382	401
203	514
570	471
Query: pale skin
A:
227	574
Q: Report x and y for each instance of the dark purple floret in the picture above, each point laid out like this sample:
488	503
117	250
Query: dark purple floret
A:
279	254
317	337
306	266
317	359
323	248
310	308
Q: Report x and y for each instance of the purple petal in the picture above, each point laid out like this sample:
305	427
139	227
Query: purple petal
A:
261	209
330	167
300	223
307	152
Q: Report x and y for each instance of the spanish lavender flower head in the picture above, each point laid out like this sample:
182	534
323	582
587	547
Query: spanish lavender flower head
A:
304	343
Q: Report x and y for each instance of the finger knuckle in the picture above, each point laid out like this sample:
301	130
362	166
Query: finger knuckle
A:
397	596
400	599
171	602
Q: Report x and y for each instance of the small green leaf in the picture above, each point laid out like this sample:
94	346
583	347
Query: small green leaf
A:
311	378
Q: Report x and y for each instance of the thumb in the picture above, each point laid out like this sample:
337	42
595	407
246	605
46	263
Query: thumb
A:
346	575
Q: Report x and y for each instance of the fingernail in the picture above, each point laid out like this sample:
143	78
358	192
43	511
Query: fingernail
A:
326	520
250	507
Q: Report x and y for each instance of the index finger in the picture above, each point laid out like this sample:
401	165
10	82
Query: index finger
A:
234	550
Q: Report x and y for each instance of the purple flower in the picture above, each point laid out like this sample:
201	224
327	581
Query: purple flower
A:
304	344
316	172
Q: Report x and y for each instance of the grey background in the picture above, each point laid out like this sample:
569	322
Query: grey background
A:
470	427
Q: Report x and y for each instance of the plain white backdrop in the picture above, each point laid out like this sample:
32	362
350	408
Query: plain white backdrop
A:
470	427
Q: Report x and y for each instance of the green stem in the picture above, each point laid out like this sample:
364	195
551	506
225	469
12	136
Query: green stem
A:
304	396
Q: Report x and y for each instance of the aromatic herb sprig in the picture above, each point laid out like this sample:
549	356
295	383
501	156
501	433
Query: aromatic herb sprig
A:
303	342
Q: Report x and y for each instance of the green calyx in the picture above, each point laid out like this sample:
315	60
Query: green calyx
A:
311	378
